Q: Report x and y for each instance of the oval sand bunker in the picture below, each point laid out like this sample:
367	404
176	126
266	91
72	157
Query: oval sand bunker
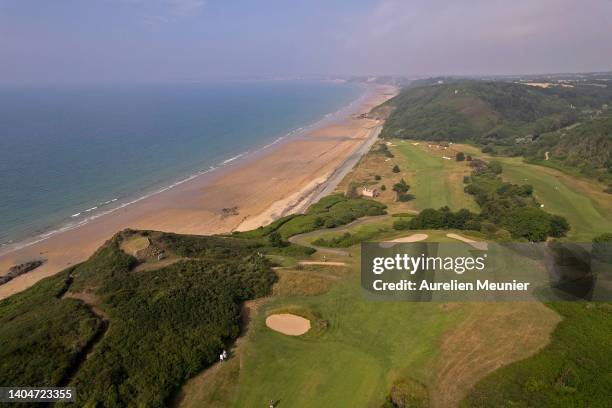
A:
288	324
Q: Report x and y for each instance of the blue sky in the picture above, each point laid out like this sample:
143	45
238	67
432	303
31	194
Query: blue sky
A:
169	40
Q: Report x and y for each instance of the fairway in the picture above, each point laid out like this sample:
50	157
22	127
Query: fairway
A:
435	182
560	195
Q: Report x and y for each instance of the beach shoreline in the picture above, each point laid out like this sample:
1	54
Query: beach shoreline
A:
275	180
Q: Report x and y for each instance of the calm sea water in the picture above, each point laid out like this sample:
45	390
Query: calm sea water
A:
69	153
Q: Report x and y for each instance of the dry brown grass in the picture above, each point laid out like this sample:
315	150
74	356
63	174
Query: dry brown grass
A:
492	335
373	164
292	282
134	244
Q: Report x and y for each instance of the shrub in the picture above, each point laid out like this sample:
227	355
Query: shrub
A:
401	188
377	177
460	156
488	149
396	169
408	393
276	240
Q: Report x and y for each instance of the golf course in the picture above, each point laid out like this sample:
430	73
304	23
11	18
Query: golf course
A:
357	351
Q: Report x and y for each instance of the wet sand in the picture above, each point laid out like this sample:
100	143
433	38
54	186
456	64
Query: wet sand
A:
276	182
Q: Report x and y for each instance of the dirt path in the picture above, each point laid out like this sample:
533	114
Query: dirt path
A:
302	239
330	263
90	302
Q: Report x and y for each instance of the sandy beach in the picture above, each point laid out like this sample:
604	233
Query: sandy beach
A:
279	181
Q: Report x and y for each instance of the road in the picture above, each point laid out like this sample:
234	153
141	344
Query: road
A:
341	171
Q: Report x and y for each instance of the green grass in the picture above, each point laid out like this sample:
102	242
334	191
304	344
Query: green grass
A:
559	197
434	182
352	236
354	360
365	347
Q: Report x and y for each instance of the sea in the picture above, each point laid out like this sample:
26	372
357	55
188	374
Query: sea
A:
69	154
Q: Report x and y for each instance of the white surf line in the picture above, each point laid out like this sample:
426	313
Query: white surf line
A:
11	245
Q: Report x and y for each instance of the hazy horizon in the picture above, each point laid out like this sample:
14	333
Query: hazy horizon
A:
68	41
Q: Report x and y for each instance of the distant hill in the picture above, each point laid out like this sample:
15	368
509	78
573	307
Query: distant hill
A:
570	121
478	111
589	144
586	146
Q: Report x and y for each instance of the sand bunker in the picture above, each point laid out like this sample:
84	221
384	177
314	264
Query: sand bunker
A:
409	238
412	238
288	324
476	244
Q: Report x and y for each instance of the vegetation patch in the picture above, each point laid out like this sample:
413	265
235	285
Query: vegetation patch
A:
506	210
573	370
165	325
407	393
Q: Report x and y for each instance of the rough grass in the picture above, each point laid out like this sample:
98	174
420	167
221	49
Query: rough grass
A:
134	244
292	282
572	371
480	343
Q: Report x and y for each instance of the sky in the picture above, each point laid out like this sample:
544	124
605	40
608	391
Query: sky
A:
57	41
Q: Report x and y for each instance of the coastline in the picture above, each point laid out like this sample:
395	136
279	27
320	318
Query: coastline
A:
280	178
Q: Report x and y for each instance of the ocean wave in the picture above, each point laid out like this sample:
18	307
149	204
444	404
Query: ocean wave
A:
231	159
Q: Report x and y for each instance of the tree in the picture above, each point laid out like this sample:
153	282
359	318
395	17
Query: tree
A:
602	248
276	240
558	226
460	156
396	169
401	188
383	187
352	191
530	223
